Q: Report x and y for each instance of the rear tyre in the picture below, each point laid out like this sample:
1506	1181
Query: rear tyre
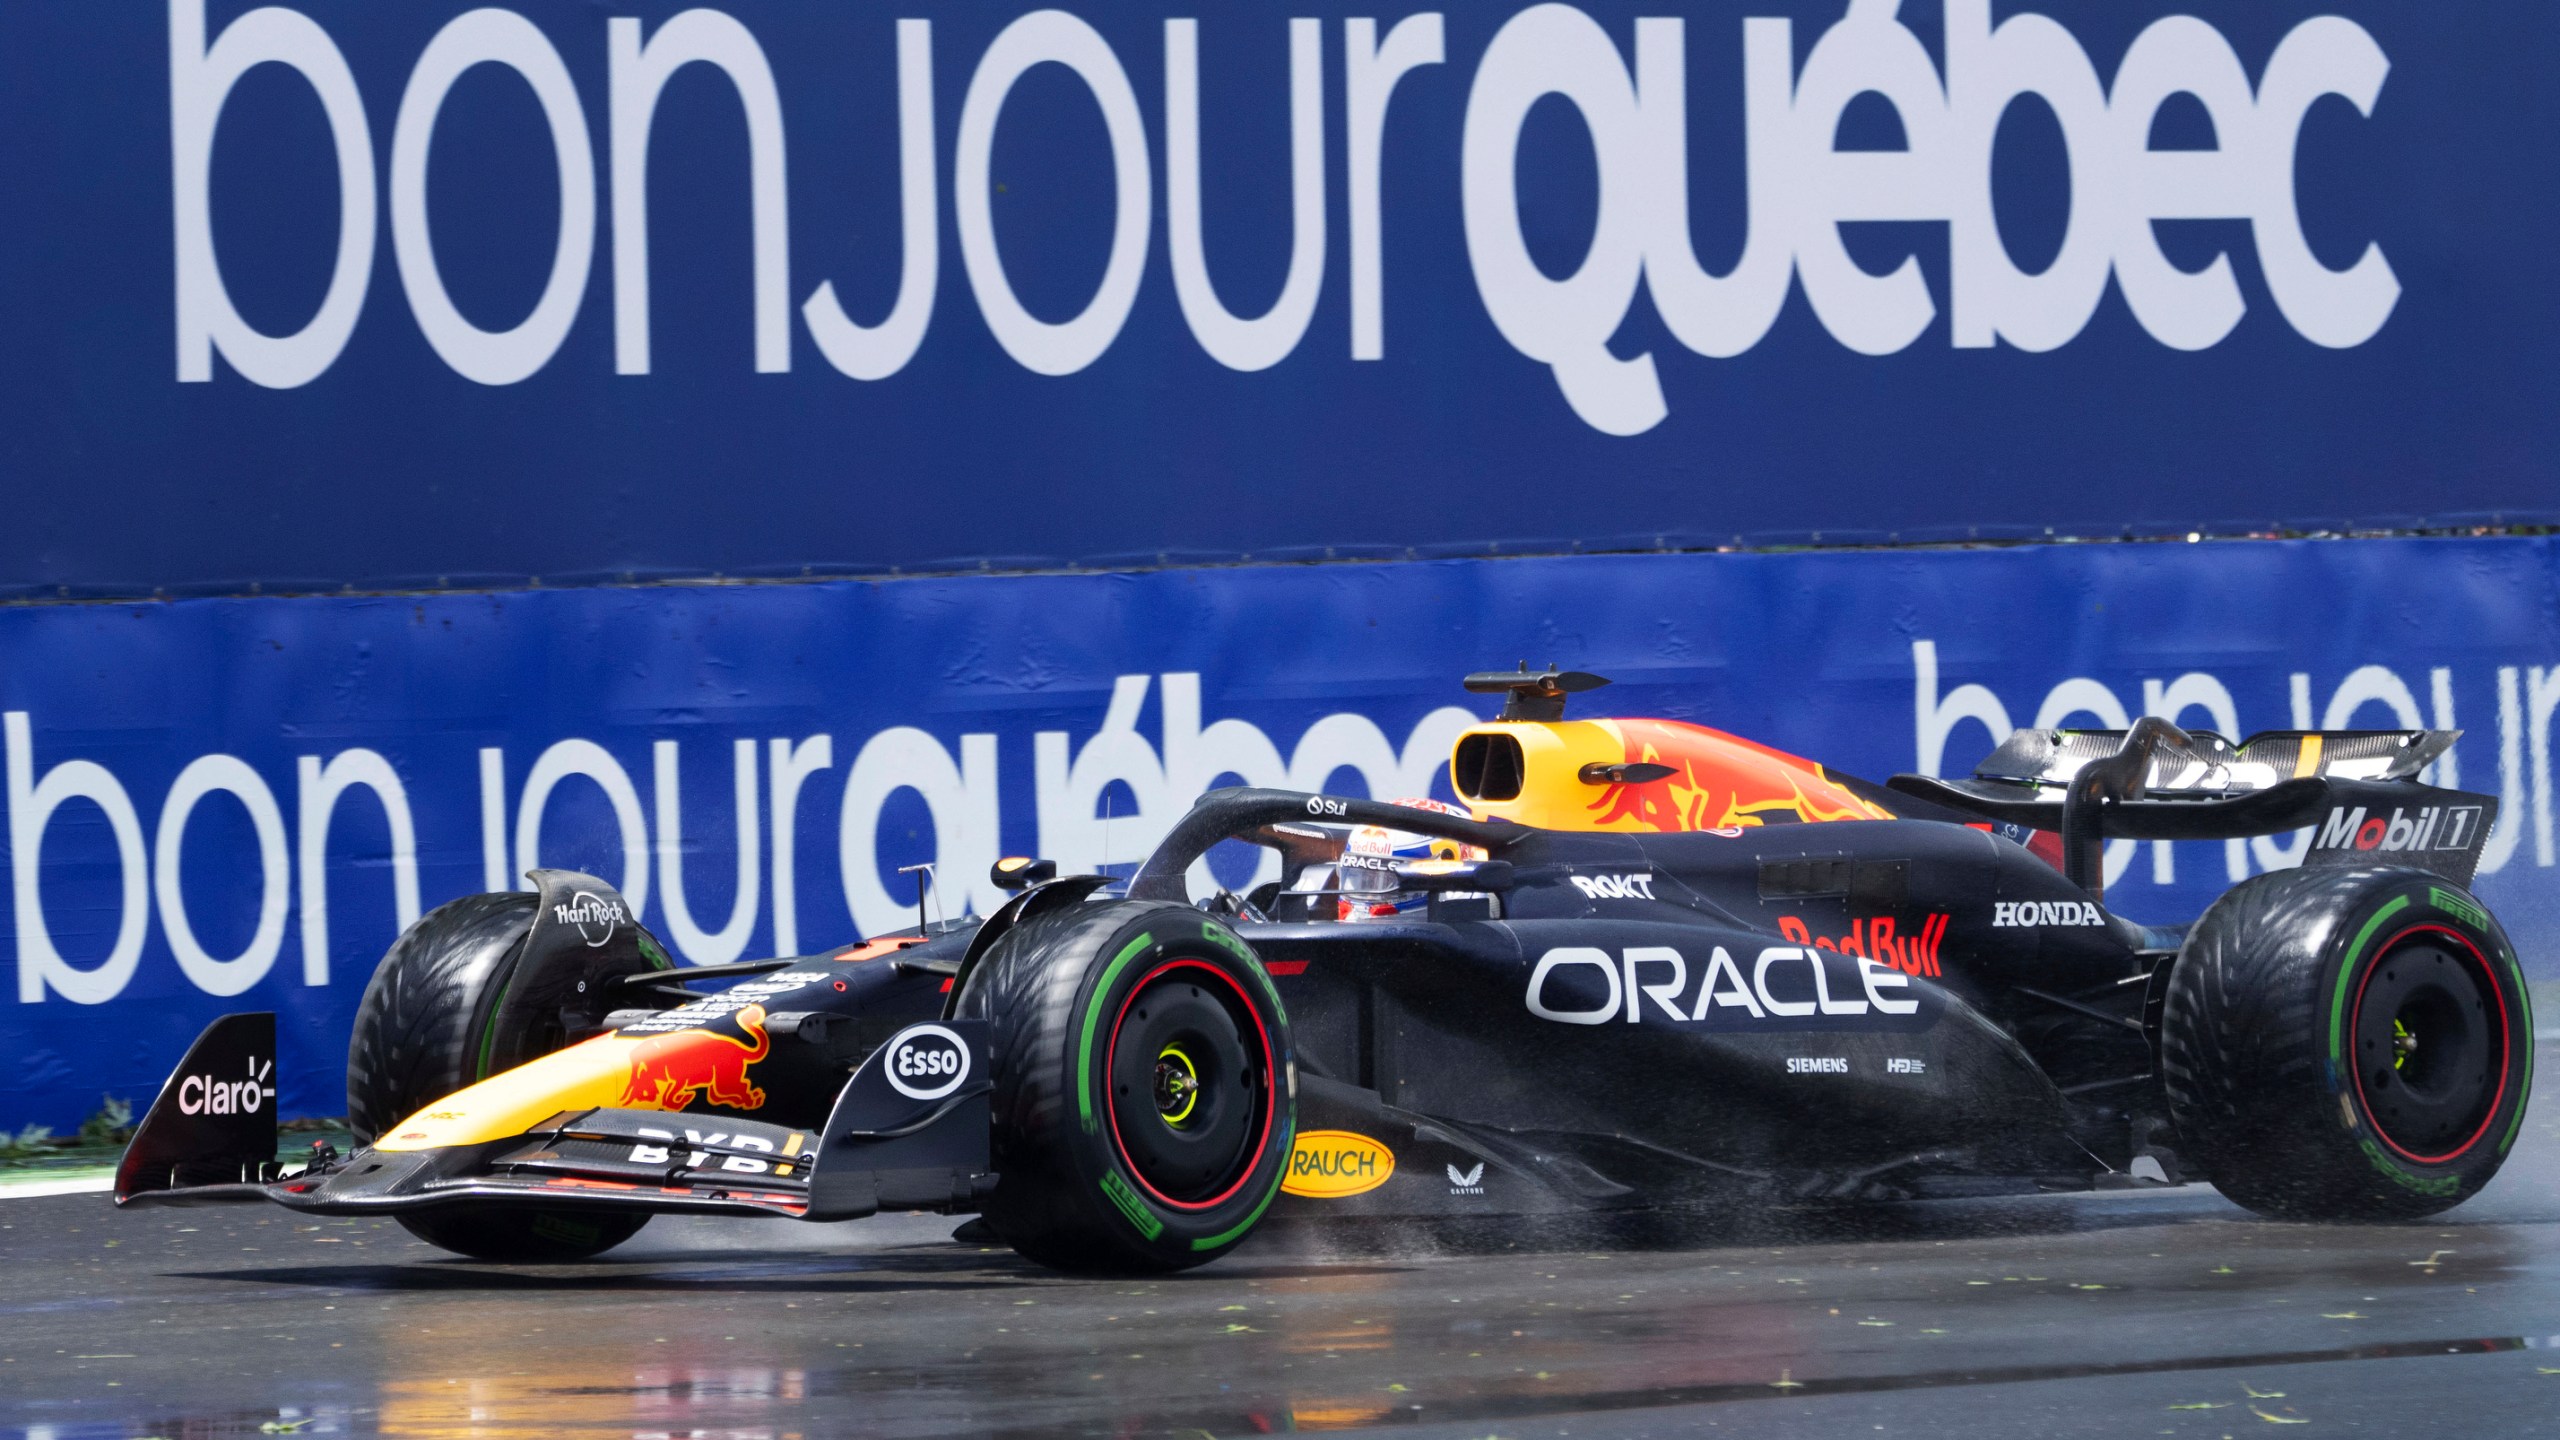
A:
450	1006
1144	1101
2347	1044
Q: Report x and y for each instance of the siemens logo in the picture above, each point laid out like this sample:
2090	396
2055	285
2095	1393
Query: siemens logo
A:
1629	87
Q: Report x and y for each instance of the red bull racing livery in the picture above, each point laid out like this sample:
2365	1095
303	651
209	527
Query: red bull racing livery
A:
1640	964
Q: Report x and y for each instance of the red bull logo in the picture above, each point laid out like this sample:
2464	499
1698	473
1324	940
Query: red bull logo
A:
1873	938
668	1071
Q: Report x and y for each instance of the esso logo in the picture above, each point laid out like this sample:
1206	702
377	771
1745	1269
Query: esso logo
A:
926	1062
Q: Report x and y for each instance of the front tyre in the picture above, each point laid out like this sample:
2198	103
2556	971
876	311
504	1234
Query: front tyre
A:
1144	1101
2347	1044
460	997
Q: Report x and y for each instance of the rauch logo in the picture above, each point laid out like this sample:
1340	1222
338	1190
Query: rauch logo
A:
1330	1164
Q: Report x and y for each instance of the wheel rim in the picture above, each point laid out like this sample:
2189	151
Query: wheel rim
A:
1189	1090
2429	1037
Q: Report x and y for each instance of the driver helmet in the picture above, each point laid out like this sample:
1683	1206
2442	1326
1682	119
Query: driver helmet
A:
1369	888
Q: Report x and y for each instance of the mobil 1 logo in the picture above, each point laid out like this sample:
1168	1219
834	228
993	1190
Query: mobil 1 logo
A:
2438	830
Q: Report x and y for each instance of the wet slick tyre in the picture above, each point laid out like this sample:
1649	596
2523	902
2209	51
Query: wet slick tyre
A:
2347	1044
1144	1087
430	1023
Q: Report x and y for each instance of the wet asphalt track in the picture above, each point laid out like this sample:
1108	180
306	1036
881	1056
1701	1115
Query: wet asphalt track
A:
2137	1314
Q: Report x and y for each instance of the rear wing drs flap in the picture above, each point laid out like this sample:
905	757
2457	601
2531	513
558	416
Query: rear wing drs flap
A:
2357	791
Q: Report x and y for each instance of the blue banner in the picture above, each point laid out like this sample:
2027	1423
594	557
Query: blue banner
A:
233	804
334	292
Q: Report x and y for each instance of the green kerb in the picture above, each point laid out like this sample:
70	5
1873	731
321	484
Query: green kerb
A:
1093	1017
2347	970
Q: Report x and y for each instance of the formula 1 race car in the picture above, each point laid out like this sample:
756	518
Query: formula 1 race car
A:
1649	965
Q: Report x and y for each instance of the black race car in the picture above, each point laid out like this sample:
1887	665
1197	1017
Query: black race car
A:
1650	965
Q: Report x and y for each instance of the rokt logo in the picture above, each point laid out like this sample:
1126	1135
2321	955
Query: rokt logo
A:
1332	1164
204	1095
1615	887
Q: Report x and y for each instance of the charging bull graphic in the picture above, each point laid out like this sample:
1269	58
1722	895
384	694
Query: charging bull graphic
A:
1717	781
668	1071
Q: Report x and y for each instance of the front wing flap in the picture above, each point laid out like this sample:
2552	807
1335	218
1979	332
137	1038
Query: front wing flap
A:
908	1131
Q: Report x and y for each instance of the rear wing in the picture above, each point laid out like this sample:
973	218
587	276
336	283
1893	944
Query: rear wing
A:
2357	790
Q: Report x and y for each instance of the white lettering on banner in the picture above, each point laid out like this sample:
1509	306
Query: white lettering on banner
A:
876	352
200	81
1083	832
707	947
207	774
321	785
493	37
1798	187
791	766
591	761
1040	37
32	803
1370	69
1942	174
639	74
1235	342
961	798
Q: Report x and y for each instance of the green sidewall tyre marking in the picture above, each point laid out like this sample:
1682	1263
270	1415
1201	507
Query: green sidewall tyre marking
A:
1228	941
2440	1185
2460	907
1288	1140
1093	1017
2468	911
489	1035
1118	1192
2346	971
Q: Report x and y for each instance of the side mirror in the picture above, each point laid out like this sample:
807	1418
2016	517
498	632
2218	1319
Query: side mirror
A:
1021	872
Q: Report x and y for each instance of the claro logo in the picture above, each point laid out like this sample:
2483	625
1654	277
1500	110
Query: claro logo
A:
1628	84
205	1095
